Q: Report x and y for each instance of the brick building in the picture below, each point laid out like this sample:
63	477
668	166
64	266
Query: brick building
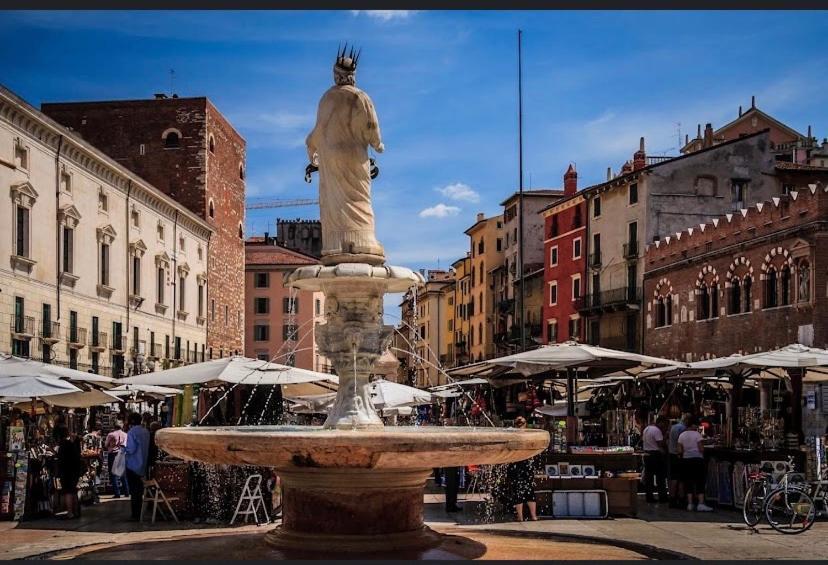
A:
188	150
564	264
280	322
751	281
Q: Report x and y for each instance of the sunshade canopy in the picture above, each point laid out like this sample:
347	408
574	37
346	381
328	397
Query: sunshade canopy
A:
34	387
387	394
237	369
83	399
11	366
129	389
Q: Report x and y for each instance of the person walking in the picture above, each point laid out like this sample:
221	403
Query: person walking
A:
520	477
114	443
137	452
654	460
674	462
693	468
69	468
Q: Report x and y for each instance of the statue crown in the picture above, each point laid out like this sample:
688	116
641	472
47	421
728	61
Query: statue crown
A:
347	60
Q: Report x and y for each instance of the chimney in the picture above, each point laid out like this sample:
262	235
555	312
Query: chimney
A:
481	216
809	134
639	157
752	102
698	131
627	168
570	181
708	135
609	173
686	138
740	110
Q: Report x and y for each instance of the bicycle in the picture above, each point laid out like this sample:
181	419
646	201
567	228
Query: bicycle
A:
787	506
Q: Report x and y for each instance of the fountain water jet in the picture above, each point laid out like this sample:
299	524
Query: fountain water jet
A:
351	485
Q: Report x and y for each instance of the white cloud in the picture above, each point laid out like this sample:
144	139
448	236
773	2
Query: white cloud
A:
439	211
386	15
459	191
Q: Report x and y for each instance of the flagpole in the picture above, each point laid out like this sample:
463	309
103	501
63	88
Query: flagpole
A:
520	272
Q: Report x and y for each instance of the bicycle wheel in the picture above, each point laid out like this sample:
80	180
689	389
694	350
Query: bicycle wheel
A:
752	508
790	511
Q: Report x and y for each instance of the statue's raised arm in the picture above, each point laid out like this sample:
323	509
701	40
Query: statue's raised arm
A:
346	125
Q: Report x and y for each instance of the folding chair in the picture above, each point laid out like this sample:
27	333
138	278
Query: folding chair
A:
153	495
252	494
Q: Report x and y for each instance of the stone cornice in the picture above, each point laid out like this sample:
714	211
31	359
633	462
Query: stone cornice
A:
40	128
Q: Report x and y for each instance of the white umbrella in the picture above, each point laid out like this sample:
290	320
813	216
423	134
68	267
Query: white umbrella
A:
11	366
242	370
387	394
34	387
315	404
128	389
83	399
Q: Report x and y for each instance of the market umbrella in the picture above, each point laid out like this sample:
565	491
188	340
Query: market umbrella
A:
387	394
128	389
83	399
312	404
34	387
386	365
11	366
236	369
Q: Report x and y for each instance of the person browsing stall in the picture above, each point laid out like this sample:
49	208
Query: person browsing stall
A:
654	459
137	453
693	468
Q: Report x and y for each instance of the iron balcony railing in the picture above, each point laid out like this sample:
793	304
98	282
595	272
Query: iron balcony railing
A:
76	335
616	297
50	330
99	340
119	343
631	250
23	325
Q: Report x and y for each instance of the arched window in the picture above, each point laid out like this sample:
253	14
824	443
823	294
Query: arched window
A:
211	209
211	144
771	297
803	283
660	313
241	231
786	285
735	303
172	139
747	286
241	171
714	301
704	302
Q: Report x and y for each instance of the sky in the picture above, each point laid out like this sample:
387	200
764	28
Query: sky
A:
444	85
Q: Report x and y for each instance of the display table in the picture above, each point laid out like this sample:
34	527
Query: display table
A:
614	462
622	492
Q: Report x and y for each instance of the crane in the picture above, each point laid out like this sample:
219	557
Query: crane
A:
265	203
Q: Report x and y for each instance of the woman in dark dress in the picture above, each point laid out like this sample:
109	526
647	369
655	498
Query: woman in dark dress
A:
69	469
520	477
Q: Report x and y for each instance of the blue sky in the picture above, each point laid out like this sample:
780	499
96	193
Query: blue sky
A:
444	85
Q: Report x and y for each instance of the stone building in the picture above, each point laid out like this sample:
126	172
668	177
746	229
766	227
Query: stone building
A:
188	150
105	271
565	264
304	236
533	229
654	197
280	322
462	323
486	241
750	281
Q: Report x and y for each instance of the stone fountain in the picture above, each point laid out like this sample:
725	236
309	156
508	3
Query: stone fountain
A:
351	485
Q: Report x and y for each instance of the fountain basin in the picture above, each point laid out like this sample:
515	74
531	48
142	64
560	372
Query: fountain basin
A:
352	490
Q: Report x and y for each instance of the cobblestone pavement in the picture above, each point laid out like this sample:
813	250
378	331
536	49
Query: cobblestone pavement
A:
718	535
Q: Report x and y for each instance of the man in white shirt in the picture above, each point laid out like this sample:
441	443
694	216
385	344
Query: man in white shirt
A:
654	459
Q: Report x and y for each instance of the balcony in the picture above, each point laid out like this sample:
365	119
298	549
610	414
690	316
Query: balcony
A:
98	342
50	332
23	327
76	337
155	351
138	348
631	250
595	260
612	300
119	344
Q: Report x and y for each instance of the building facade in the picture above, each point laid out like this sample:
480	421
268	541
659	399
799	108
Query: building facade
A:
304	236
565	262
462	323
652	198
486	258
105	271
533	201
280	321
754	277
188	150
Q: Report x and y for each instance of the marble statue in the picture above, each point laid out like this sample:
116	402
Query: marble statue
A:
346	125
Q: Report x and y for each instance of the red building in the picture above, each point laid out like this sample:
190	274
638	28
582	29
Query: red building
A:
564	263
